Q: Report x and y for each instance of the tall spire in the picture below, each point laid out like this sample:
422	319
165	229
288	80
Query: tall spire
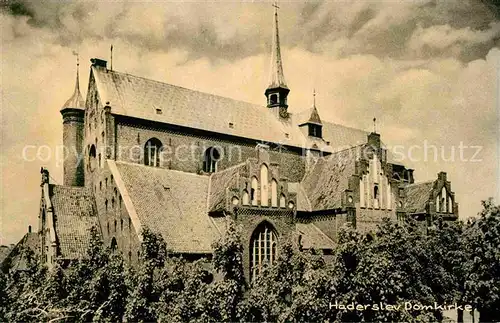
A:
277	91
276	77
76	101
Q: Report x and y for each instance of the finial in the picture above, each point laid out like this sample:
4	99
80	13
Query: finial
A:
374	125
111	62
77	87
275	5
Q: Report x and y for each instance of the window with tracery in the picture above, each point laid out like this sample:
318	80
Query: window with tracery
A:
263	248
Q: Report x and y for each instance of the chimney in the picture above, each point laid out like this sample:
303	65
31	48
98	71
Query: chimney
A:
29	228
97	62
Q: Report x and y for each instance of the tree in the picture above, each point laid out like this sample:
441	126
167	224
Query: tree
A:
143	300
482	283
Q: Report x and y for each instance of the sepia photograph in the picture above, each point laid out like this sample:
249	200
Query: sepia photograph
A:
250	161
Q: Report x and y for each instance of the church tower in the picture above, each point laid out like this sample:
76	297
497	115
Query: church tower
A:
73	112
277	91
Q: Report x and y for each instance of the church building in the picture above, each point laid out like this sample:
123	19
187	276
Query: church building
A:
185	163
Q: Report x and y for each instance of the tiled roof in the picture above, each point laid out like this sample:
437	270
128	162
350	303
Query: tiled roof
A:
172	203
326	181
341	137
140	98
219	183
416	196
75	215
313	237
303	203
310	115
16	258
76	100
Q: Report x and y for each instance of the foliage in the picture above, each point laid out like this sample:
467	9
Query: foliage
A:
399	263
482	267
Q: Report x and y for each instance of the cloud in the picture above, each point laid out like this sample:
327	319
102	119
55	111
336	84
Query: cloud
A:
425	69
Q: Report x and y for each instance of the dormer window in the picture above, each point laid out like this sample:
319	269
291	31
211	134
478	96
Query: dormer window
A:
315	131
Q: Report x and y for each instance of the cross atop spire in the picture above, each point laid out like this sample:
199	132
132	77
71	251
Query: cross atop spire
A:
276	77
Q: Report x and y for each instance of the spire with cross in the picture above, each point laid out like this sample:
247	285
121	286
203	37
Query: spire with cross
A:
277	91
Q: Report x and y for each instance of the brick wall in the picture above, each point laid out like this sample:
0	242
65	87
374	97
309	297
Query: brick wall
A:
185	151
367	219
248	219
111	210
73	127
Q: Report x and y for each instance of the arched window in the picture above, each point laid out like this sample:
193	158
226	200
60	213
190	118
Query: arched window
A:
375	197
253	191
444	202
92	157
274	193
450	205
152	151
245	198
437	203
263	248
210	159
282	201
115	225
113	244
264	182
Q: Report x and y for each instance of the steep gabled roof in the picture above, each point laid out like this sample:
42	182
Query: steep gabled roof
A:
138	97
16	258
75	214
219	183
313	237
417	195
328	179
172	203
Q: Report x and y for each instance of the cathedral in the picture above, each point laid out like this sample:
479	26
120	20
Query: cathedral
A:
183	163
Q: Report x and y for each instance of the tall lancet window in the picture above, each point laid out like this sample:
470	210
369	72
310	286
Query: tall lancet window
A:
274	193
152	151
263	248
444	203
253	190
264	185
282	201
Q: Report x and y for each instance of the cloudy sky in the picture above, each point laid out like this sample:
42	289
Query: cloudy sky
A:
426	69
